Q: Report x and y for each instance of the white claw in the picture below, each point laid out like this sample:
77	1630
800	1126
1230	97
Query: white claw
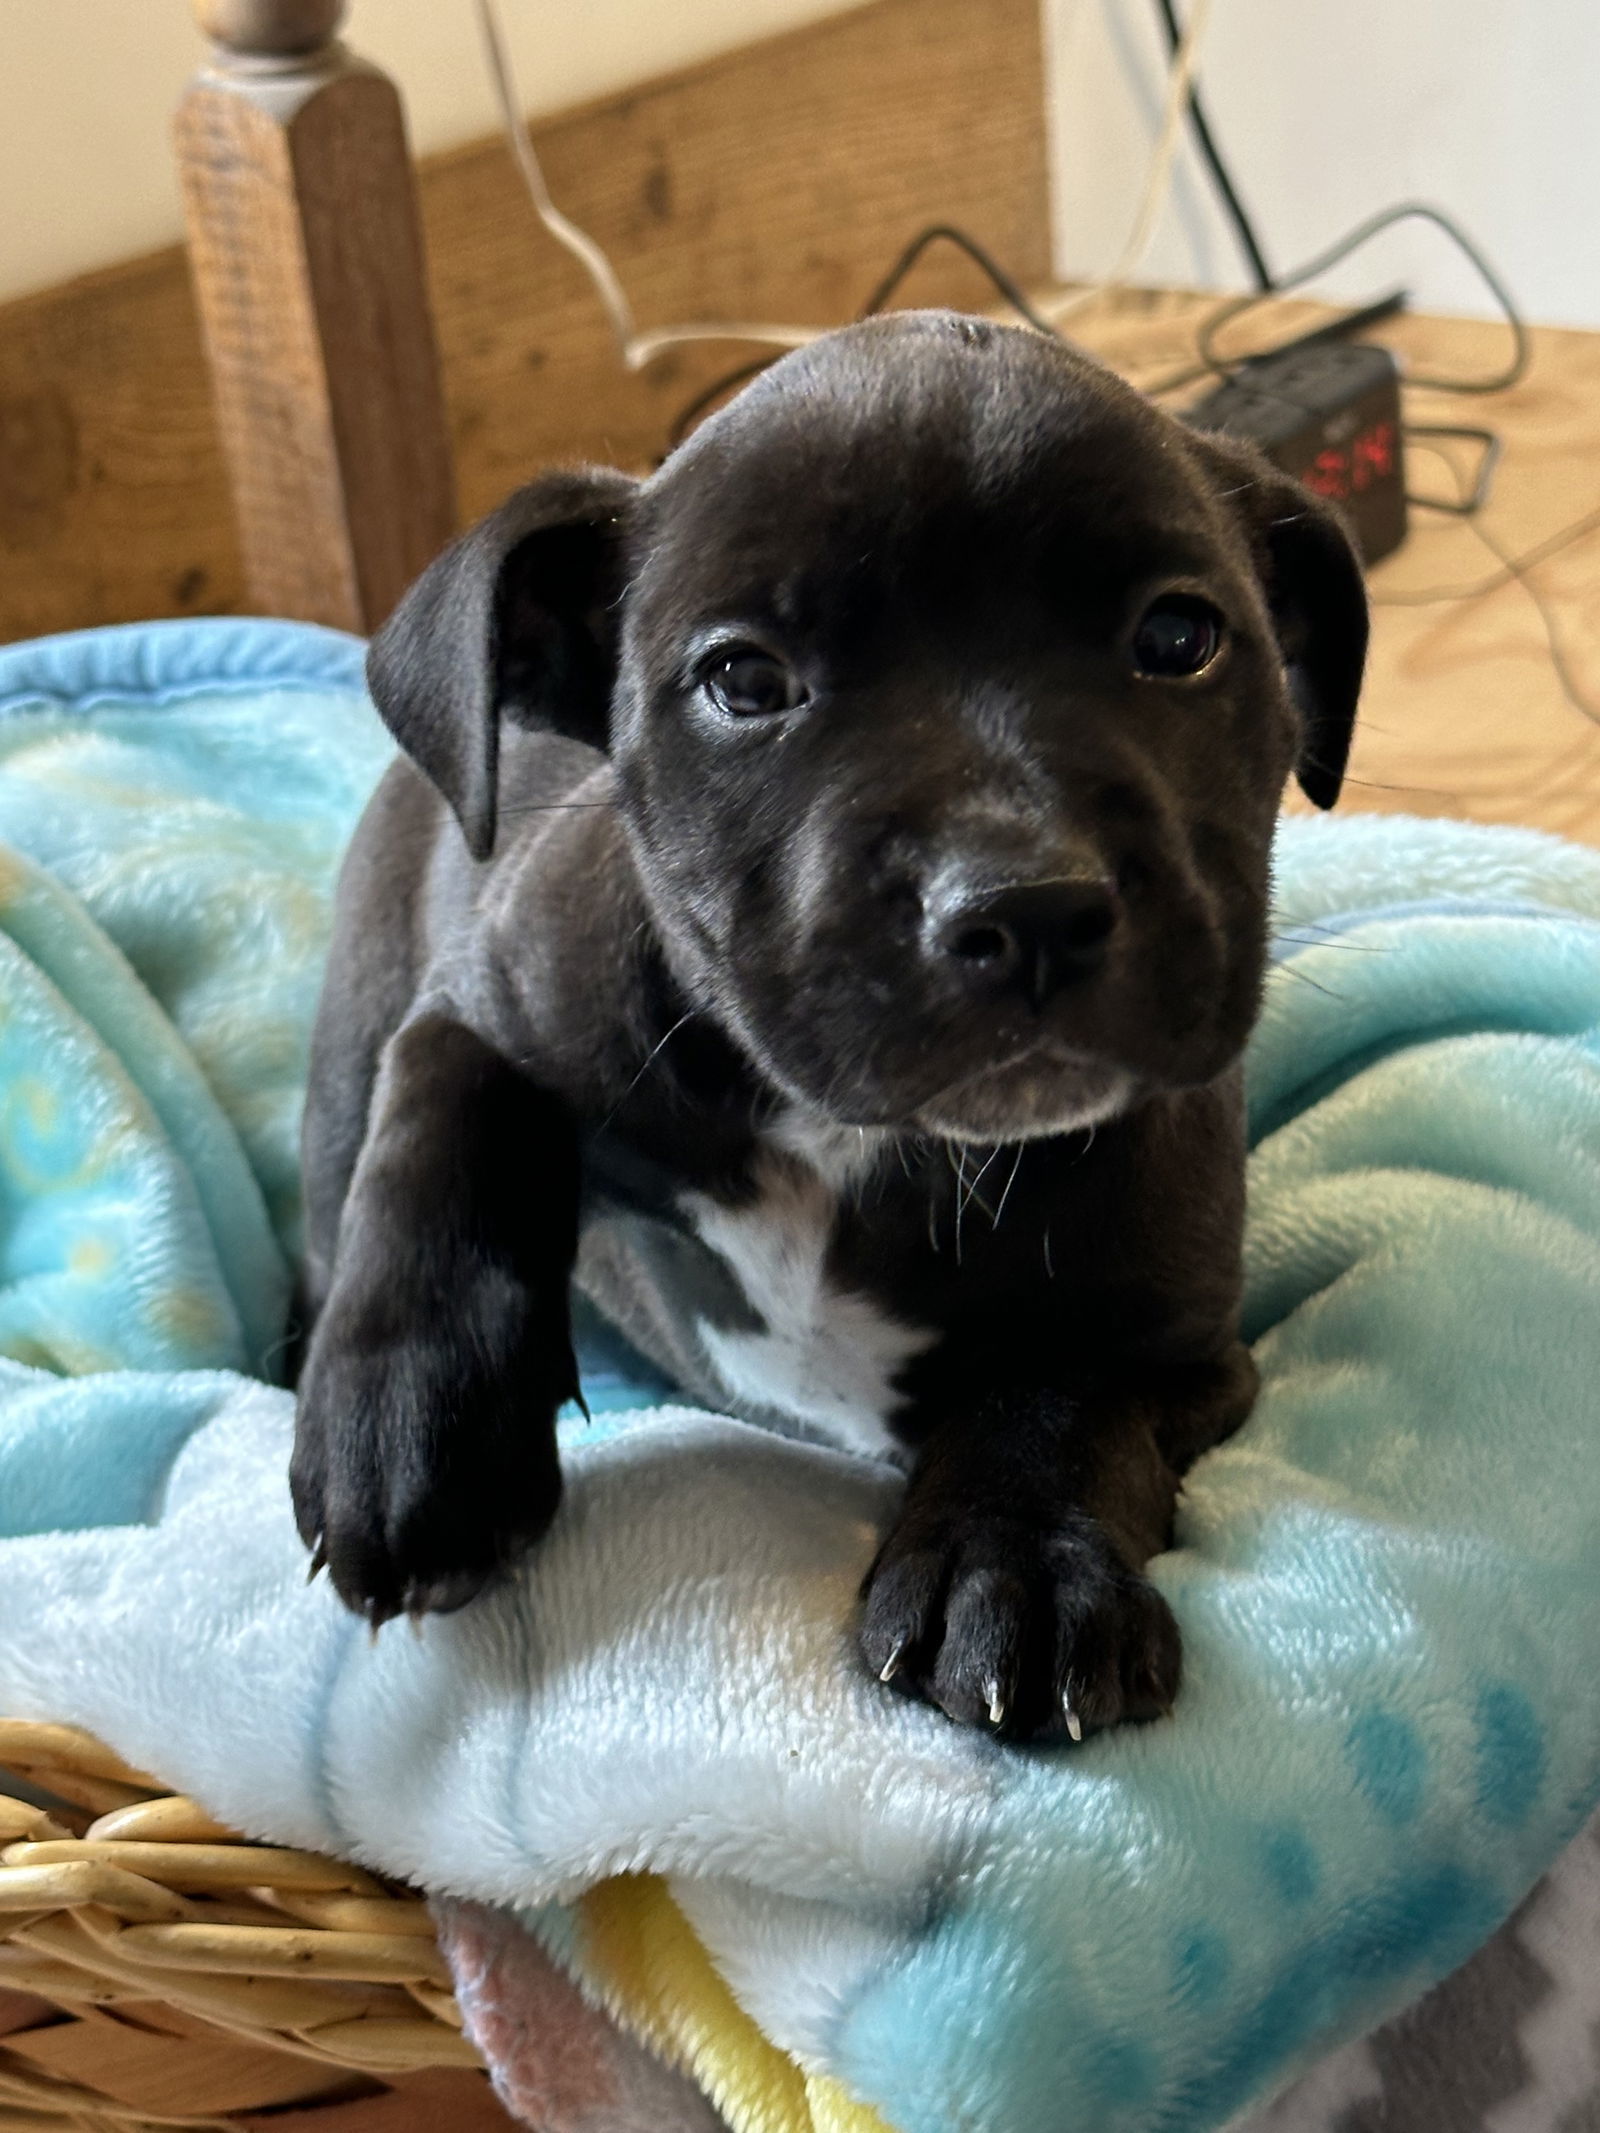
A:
891	1665
1074	1722
997	1706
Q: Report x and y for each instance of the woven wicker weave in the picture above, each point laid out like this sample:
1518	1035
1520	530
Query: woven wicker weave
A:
157	1972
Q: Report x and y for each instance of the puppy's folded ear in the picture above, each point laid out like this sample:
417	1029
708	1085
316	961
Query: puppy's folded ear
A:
1311	572
513	620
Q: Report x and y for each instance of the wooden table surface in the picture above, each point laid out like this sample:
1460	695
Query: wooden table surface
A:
1464	712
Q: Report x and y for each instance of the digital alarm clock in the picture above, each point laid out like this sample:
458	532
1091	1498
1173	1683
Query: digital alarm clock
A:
1330	415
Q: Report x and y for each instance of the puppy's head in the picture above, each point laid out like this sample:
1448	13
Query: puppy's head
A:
951	689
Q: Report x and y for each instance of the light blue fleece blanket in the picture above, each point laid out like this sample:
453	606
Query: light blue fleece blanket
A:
1389	1583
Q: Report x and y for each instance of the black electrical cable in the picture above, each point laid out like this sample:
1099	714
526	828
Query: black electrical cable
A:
946	232
1210	360
1511	567
1521	351
1334	329
1249	243
1470	500
687	416
976	253
1516	567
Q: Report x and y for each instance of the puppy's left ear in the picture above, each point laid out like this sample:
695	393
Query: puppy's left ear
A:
514	620
1310	569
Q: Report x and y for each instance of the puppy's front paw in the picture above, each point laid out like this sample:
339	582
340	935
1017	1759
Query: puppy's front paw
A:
415	1483
1032	1629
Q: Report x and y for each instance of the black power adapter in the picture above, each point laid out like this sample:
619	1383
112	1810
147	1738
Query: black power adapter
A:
1327	412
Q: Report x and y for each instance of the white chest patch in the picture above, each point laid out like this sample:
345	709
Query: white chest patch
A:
828	1356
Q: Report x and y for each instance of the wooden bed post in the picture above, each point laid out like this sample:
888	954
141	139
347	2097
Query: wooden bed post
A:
306	251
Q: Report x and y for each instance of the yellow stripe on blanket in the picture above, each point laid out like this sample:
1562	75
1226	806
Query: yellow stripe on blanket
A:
667	1991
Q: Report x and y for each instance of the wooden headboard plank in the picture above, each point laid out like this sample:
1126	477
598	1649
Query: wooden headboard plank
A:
778	182
113	500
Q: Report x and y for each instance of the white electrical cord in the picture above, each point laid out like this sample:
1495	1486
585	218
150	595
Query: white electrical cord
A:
1158	176
636	348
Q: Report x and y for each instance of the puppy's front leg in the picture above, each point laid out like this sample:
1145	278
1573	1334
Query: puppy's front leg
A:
1010	1590
425	1455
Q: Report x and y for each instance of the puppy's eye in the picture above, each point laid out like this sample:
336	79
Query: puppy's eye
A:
746	683
1179	635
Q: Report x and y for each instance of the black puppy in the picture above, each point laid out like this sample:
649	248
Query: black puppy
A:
829	882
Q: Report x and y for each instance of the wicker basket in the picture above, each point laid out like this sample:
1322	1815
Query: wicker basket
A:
158	1972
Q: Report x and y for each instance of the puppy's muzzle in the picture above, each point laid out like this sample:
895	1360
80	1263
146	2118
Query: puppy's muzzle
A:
1027	940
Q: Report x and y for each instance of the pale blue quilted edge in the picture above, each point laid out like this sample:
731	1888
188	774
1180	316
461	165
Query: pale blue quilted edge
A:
167	661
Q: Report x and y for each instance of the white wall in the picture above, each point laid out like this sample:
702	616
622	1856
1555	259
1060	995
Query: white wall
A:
87	89
1329	109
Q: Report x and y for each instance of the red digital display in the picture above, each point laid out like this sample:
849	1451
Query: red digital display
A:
1344	470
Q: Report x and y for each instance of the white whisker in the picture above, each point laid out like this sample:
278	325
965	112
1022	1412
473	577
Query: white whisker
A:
650	1059
1010	1181
980	1175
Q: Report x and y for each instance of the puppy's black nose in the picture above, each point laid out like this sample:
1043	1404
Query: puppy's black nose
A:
1034	938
